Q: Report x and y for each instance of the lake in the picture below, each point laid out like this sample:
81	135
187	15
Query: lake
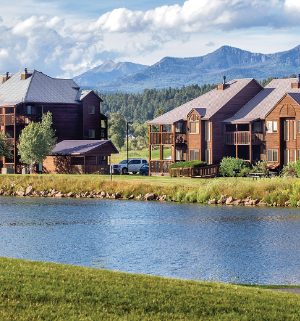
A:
228	244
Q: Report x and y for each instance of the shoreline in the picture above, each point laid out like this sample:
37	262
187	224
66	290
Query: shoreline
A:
274	192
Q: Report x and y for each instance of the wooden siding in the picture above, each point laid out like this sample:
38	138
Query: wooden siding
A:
286	109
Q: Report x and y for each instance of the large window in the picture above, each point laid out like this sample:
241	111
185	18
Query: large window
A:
272	126
167	128
194	154
207	126
294	130
286	130
180	127
194	127
272	155
179	155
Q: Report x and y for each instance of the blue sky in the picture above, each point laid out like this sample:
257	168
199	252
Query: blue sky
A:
67	37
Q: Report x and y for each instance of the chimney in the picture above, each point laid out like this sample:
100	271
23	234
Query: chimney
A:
296	84
25	74
223	86
3	79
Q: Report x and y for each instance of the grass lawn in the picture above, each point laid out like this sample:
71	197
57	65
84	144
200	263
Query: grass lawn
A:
44	291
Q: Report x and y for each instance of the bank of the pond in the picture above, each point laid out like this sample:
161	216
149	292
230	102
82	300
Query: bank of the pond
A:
45	291
228	191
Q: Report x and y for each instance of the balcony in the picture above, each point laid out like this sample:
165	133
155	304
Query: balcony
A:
243	138
161	138
6	120
160	166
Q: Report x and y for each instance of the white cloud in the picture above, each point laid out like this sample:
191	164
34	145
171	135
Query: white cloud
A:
68	47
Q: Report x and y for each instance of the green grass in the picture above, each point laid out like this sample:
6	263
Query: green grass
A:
270	190
44	291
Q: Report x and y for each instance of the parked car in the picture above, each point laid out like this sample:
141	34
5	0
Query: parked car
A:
134	166
144	170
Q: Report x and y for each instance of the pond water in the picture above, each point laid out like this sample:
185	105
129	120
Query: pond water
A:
236	244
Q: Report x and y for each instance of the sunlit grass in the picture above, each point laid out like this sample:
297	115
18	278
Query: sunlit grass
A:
269	190
44	291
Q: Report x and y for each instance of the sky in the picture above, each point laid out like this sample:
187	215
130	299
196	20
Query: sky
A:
65	37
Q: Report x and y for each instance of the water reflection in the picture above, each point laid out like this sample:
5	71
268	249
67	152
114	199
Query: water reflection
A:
243	245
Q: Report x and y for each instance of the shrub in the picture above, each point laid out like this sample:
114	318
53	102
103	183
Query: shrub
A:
188	164
290	170
231	167
260	167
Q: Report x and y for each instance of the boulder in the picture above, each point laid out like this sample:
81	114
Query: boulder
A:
222	199
130	197
229	200
59	194
212	201
150	197
29	190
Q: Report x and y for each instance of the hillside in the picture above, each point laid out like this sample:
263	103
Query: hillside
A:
178	72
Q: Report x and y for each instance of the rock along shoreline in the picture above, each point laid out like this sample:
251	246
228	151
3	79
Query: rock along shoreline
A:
29	191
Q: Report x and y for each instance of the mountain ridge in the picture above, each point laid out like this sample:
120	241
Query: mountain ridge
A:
177	72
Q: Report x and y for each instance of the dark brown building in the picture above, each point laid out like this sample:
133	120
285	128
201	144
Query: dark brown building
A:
25	96
195	130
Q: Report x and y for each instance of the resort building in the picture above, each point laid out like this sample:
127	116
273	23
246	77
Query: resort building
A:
26	96
238	118
195	130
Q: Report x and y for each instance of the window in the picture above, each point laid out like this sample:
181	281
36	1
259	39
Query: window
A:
207	126
272	155
295	155
77	160
179	155
286	130
144	161
272	126
92	133
154	128
101	159
92	110
194	154
29	110
208	156
194	127
294	130
298	122
135	162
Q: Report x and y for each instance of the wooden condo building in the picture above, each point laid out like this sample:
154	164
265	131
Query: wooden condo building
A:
26	96
238	118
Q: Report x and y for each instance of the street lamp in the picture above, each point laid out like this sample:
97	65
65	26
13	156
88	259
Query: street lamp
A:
127	148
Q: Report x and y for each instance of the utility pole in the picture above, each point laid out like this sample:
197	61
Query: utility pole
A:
127	140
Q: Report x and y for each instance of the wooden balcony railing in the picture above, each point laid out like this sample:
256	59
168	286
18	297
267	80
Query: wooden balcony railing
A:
243	138
160	166
167	138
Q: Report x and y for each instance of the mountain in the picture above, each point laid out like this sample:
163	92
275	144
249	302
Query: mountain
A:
178	72
108	72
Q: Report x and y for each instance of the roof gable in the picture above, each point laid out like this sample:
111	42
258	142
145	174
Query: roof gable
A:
211	101
265	101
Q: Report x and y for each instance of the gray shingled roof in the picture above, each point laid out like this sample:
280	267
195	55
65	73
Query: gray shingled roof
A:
209	103
79	147
85	92
38	88
259	106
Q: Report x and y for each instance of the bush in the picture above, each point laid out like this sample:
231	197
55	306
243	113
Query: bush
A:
260	167
290	170
231	167
188	164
